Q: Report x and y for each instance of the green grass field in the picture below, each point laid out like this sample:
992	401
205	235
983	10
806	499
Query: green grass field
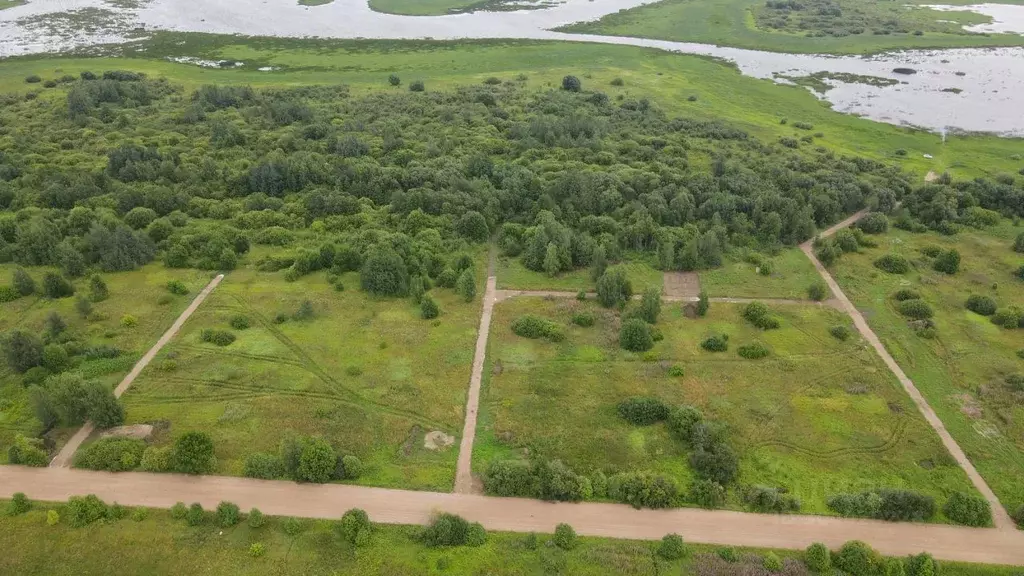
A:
667	79
744	24
791	274
315	2
141	293
420	7
368	375
160	545
960	371
5	4
819	416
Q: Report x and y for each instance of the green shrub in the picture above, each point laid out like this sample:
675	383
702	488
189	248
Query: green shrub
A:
353	522
703	304
922	564
818	558
753	351
584	319
317	462
650	305
916	309
873	223
707	494
768	499
8	294
676	371
772	563
179	511
117	512
140	514
257	549
56	286
353	466
1020	272
642	411
980	304
239	322
716	462
111	454
840	332
227	514
1018	243
893	264
27	452
569	83
716	343
445	530
84	510
530	326
156	459
757	314
728	554
195	514
177	287
671	547
465	285
968	510
256	519
635	335
818	291
947	262
1009	317
681	421
565	537
643	489
858	559
885	504
906	294
52	518
19	504
476	535
428	308
416	86
394	80
262	465
614	288
217	337
192	453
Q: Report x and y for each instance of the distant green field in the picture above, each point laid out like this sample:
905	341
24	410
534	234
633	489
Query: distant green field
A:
962	371
859	26
817	417
367	374
420	7
667	79
5	4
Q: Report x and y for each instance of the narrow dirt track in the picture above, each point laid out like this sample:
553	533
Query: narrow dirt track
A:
502	295
514	514
63	458
464	483
1000	517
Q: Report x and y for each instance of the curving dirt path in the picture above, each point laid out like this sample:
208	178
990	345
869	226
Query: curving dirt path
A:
63	458
1000	517
464	481
515	514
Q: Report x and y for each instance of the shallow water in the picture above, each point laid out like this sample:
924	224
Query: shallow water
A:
1006	18
992	87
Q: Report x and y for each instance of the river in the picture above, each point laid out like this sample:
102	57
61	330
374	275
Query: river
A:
977	90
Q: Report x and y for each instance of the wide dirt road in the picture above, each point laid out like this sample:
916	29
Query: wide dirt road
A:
514	514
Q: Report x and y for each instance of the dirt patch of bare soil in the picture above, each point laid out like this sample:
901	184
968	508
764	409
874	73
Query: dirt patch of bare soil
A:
137	431
682	284
437	440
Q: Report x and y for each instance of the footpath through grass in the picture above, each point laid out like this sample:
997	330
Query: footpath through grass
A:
962	371
666	79
141	294
818	416
155	545
747	24
367	374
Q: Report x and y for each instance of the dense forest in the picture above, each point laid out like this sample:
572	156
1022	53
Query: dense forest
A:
108	172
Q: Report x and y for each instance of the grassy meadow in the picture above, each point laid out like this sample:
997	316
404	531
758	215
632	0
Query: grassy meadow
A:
818	416
367	374
666	79
961	371
141	294
791	274
745	24
421	7
512	275
157	545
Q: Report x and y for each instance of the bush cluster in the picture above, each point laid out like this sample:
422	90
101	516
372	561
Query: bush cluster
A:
1010	317
768	499
530	326
303	458
758	314
583	319
753	351
643	411
636	335
840	332
916	309
980	304
452	530
968	510
906	294
217	337
947	262
716	343
893	264
111	454
886	504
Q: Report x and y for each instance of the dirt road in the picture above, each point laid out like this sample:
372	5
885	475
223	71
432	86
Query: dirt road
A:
464	482
999	515
502	295
66	453
513	514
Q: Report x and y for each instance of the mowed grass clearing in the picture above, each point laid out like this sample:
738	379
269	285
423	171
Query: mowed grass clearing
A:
819	416
791	274
962	371
141	293
512	275
368	375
